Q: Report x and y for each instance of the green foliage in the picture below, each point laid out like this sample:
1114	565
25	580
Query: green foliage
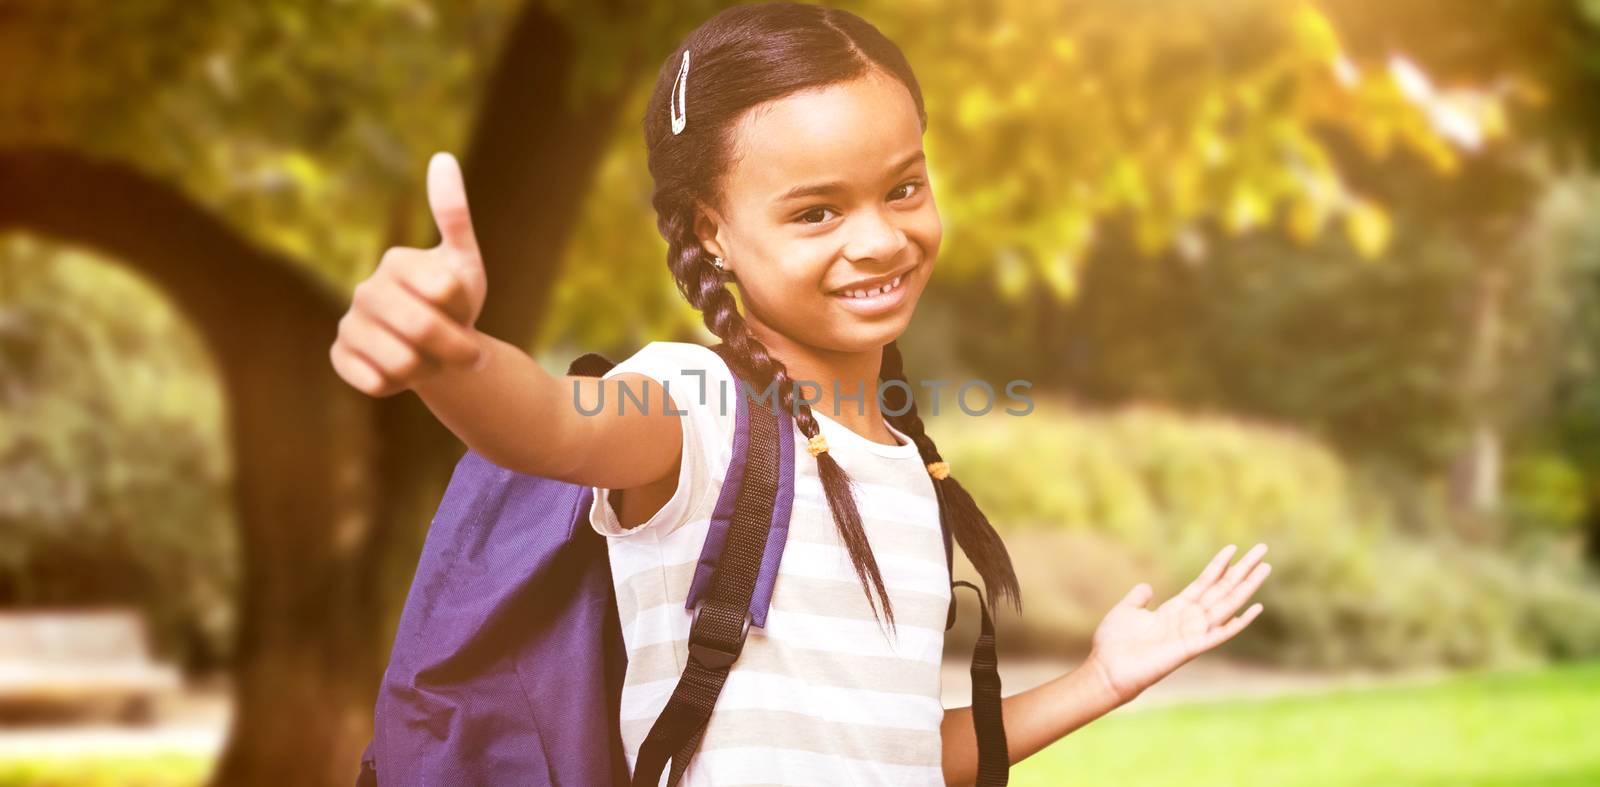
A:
1389	602
1547	46
616	294
1555	474
1366	357
1051	126
1046	118
1147	475
1371	358
305	125
1141	494
113	464
601	30
1546	491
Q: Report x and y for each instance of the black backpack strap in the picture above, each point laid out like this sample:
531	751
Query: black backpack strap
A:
988	721
994	760
717	634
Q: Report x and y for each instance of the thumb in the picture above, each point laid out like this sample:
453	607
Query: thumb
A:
1137	597
447	197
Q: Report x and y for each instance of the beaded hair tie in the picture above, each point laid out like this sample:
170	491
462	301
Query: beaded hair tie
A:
817	445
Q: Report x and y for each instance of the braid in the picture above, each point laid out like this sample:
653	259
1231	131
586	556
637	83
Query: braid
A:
970	527
705	287
743	57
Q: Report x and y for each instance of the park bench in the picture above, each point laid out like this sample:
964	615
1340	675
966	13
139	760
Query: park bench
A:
80	661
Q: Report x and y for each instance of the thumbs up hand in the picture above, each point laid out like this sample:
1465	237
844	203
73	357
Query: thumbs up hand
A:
414	316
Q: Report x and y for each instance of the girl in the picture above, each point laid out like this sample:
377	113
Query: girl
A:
785	142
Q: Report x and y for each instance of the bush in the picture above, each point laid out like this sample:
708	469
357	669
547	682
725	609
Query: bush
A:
1147	476
1069	579
1092	504
1395	601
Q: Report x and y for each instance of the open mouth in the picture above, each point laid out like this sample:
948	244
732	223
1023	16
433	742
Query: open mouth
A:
879	300
882	289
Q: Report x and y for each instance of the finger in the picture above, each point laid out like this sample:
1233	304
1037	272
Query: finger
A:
398	362
419	271
1208	575
1138	596
469	268
1228	604
420	323
447	198
1225	632
359	372
1234	575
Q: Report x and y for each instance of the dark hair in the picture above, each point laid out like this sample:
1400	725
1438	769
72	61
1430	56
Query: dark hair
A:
744	56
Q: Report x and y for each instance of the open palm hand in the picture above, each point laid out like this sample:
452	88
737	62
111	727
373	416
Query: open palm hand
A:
1134	647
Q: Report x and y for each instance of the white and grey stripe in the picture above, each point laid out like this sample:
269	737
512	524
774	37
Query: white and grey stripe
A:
825	694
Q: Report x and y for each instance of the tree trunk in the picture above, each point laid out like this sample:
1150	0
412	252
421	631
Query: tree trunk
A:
334	490
1478	472
302	448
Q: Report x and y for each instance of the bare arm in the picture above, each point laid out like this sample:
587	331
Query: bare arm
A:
1034	719
519	416
410	327
1134	647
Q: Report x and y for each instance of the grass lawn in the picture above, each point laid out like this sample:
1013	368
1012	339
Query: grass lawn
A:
156	770
1533	727
1536	727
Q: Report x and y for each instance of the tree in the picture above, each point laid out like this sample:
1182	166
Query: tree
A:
105	398
1548	46
1046	120
333	491
230	153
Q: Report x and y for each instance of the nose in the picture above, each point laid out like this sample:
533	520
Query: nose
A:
874	237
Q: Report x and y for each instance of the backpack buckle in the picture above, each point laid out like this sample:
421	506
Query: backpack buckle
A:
715	655
712	657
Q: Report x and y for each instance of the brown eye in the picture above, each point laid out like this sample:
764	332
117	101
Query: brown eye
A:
806	218
914	184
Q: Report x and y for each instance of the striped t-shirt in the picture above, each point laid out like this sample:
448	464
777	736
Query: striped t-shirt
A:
824	695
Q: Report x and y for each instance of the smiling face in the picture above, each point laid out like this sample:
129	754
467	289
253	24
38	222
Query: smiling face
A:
827	218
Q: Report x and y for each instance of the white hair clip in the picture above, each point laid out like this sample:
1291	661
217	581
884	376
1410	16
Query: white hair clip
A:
676	103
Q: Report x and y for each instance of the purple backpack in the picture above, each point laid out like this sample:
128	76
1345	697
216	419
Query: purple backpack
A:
508	662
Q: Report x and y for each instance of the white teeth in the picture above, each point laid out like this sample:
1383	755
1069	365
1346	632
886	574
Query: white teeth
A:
880	289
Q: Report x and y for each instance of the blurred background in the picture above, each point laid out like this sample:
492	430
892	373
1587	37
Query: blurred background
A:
1319	273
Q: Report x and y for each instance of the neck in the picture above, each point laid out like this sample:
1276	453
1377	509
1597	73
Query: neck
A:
844	372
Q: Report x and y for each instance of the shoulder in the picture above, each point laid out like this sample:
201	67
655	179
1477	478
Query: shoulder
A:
669	360
692	375
701	388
